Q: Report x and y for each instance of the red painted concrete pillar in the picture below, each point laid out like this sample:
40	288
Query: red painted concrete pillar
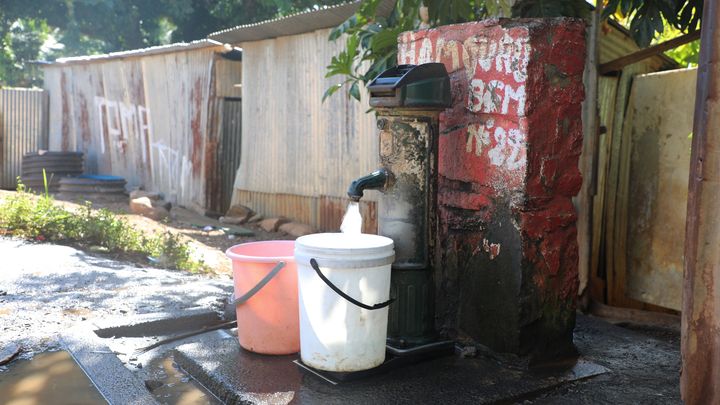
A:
508	162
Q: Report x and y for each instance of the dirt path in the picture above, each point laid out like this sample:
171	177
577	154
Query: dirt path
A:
209	244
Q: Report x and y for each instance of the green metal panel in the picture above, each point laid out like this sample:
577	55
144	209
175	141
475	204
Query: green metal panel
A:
410	320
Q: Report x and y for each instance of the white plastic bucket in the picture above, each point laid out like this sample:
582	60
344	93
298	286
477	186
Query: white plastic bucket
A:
336	334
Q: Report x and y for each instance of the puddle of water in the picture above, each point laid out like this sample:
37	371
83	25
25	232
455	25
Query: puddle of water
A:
178	388
49	378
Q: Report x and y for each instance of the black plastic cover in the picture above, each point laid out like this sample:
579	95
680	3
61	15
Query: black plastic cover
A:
426	85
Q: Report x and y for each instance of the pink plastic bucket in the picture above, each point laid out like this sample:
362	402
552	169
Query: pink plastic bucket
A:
268	320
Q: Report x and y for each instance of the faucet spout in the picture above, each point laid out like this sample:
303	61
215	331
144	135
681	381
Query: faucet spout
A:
373	181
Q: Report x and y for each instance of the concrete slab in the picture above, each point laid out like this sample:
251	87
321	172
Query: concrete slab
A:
238	376
116	383
155	324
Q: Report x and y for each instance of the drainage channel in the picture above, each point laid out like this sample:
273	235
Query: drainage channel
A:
171	385
105	363
49	378
155	368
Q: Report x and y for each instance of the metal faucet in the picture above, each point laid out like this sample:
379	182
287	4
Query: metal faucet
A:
376	180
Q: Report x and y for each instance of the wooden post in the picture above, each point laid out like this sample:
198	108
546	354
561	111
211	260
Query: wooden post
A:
589	157
700	344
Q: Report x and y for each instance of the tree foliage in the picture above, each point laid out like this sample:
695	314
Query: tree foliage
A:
47	29
648	18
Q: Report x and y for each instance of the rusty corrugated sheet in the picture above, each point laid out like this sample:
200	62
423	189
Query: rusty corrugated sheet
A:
149	118
293	143
322	212
23	128
133	53
299	23
230	149
615	42
228	78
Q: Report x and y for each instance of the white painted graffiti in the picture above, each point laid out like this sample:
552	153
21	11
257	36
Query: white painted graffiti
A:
122	121
508	56
173	169
506	60
487	98
496	70
508	150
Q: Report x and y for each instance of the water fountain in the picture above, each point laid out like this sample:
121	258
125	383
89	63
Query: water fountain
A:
408	100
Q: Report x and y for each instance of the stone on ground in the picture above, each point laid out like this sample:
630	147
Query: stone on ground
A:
272	224
296	229
239	211
146	207
232	220
256	218
153	195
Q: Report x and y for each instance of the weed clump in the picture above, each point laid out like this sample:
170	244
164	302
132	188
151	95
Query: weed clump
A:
39	218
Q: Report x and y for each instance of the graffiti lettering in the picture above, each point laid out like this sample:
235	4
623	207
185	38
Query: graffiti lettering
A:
122	121
507	149
495	96
508	56
173	169
478	136
496	69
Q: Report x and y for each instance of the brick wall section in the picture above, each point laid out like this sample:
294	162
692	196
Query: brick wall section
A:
507	255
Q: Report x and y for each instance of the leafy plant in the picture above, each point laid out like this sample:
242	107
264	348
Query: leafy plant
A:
39	218
686	55
648	17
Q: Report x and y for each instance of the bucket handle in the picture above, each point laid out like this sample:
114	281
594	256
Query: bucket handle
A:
314	265
260	285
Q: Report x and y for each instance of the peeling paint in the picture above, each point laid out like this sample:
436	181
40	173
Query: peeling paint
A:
508	159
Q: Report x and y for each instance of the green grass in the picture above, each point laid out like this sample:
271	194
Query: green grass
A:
39	218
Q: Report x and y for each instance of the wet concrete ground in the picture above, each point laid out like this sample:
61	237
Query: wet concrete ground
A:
47	290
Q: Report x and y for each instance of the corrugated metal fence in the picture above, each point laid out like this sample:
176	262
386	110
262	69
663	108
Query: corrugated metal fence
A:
293	143
23	128
151	119
299	154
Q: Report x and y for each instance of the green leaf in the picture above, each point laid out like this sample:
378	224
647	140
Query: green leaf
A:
355	91
384	40
330	91
343	28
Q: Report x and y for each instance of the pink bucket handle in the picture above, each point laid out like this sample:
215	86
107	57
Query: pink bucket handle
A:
242	299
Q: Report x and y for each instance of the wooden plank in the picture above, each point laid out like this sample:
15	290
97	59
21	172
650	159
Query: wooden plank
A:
636	316
660	163
612	184
588	158
607	93
617	197
619	258
700	344
620	63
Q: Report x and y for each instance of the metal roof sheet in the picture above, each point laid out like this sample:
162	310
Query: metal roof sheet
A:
153	50
306	21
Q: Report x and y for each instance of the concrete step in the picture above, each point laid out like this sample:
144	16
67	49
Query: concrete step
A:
237	376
